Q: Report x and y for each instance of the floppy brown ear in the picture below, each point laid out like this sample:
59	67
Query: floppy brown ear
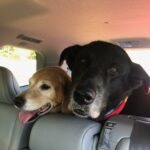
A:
69	54
139	77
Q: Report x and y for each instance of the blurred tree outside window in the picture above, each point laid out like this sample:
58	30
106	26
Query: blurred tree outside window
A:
21	62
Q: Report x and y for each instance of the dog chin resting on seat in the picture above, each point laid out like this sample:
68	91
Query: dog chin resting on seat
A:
48	92
103	76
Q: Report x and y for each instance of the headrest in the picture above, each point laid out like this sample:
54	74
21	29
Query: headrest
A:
8	86
65	132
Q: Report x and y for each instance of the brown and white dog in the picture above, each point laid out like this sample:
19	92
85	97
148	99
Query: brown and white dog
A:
48	91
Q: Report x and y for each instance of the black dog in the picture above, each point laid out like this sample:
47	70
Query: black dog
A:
102	76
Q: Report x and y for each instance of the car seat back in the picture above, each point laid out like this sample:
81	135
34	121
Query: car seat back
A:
125	133
65	132
13	135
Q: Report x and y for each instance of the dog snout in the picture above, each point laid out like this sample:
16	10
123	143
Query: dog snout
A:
84	97
19	101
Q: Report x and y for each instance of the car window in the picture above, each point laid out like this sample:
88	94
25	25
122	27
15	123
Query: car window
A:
140	56
66	68
22	62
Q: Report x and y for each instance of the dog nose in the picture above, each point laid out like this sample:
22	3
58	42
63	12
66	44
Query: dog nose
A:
19	101
84	97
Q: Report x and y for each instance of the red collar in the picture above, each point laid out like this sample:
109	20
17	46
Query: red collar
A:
117	110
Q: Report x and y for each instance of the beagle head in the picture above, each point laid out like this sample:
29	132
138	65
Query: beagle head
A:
48	90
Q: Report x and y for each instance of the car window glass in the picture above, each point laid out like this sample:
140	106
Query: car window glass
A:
140	56
22	62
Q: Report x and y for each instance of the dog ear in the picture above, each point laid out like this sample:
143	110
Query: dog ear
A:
138	77
69	54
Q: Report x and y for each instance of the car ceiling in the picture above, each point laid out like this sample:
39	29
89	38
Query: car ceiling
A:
60	23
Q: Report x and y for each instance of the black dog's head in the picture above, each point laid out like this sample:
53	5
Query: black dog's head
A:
102	76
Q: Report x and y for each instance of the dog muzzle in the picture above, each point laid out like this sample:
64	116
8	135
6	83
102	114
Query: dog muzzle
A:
31	116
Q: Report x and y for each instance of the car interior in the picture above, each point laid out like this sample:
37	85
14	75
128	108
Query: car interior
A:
47	27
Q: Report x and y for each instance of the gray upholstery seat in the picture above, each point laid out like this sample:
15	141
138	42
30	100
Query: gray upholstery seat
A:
125	133
64	132
13	135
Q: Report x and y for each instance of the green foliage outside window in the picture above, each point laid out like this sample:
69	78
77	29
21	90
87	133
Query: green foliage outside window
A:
16	53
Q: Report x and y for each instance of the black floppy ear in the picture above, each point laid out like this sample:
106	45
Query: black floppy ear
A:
139	77
69	55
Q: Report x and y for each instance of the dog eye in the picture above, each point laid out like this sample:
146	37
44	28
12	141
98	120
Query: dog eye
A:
45	87
112	71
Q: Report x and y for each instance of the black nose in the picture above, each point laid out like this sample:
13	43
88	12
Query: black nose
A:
19	101
84	97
